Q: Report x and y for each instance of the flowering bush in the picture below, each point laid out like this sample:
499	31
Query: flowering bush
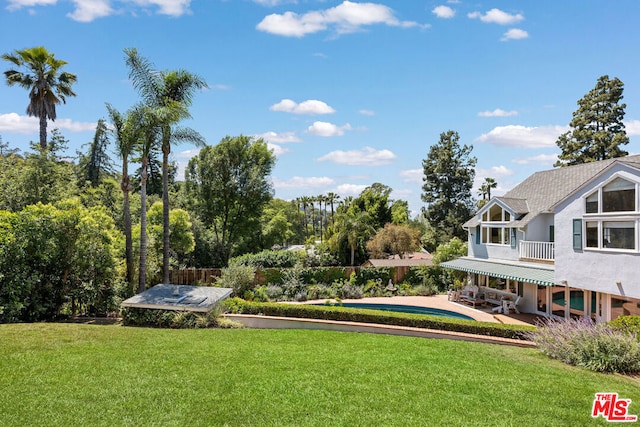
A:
581	342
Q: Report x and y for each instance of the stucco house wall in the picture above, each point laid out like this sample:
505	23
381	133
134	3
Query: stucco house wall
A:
610	271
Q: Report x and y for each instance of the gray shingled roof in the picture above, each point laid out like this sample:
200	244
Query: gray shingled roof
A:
544	189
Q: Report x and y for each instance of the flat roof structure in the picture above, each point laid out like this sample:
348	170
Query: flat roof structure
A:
179	298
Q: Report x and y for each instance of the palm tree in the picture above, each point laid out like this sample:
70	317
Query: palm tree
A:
485	188
151	127
47	85
354	227
127	133
320	199
305	202
172	89
332	198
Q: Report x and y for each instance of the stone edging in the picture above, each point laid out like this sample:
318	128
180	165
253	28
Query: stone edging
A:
273	322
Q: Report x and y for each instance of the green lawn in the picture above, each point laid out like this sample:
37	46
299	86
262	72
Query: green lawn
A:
89	375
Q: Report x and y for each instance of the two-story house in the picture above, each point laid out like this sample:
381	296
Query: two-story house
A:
566	241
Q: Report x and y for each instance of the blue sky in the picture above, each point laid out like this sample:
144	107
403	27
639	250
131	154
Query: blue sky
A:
346	93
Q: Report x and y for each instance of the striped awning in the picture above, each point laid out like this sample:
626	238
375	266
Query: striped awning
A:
543	275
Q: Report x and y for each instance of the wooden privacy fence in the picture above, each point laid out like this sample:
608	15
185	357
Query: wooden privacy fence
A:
208	276
190	276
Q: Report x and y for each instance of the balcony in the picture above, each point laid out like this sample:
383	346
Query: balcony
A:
537	251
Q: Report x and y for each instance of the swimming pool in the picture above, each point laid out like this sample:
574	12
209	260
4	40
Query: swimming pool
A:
407	309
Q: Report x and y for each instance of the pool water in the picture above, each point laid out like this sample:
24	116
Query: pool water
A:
407	309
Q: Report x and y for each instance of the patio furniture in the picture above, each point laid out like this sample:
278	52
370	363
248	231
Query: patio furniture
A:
508	304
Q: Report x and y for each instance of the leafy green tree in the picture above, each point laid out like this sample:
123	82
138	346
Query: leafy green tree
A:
449	170
454	248
182	240
39	72
279	223
394	240
376	202
5	150
400	212
230	187
353	228
166	89
598	130
96	164
41	176
56	256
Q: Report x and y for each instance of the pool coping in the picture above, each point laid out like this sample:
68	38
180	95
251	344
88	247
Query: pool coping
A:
276	322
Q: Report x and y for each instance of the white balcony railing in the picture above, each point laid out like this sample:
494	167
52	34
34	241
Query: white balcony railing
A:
540	251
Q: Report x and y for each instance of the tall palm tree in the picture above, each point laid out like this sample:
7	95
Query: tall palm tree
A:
127	131
151	128
332	198
305	203
48	86
485	188
174	89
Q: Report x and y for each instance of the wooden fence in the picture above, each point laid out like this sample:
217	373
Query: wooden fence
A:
208	276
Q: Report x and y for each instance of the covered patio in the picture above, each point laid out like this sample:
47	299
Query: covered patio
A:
505	285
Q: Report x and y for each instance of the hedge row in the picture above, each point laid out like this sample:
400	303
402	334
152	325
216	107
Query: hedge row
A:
327	312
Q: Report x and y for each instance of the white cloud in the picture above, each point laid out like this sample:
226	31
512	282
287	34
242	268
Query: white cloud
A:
345	18
271	3
495	172
277	150
167	7
497	113
298	182
545	159
444	12
496	16
514	34
412	175
632	127
188	154
18	4
15	123
88	10
367	112
523	136
279	138
311	106
327	129
367	156
350	189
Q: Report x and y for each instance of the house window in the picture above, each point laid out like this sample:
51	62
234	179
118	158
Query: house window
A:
592	234
592	203
496	235
618	234
619	196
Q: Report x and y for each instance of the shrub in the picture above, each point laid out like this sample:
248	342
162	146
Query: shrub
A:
349	291
597	347
240	278
292	282
424	291
274	292
628	324
176	319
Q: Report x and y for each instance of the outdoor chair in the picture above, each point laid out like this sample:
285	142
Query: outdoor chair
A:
508	304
